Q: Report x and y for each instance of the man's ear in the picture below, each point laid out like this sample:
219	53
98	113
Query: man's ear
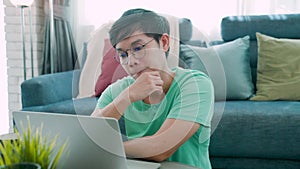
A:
165	42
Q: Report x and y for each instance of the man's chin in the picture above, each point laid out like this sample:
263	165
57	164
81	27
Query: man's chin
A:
135	76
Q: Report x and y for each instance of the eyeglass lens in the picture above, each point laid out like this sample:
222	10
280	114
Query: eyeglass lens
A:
137	50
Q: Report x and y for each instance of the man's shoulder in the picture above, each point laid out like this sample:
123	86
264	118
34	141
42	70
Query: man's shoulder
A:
124	82
116	87
182	73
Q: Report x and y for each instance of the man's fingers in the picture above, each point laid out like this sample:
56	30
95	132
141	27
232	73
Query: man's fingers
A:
159	82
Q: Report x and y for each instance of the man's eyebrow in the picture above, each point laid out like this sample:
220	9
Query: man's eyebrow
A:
132	43
136	41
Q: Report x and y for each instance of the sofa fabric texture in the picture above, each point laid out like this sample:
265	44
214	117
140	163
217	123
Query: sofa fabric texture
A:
246	134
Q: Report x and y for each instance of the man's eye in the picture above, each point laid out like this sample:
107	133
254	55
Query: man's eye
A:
137	48
123	54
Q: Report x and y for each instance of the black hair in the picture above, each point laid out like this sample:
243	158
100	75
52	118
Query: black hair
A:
149	22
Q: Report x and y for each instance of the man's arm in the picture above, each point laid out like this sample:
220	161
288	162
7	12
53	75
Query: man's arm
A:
172	134
116	108
148	83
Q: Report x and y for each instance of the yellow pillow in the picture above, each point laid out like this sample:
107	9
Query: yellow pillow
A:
278	68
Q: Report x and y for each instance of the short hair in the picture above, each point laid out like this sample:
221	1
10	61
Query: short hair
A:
146	21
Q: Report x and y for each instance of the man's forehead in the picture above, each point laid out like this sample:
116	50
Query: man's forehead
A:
135	38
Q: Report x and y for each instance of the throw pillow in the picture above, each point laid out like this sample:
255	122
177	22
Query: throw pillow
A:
111	70
278	69
227	64
92	66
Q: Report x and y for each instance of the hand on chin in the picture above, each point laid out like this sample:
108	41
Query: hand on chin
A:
148	69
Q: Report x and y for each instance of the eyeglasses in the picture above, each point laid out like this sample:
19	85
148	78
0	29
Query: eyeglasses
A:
137	50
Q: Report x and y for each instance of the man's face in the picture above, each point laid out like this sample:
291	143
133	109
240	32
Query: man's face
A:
140	53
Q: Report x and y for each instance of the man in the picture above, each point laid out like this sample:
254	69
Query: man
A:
167	112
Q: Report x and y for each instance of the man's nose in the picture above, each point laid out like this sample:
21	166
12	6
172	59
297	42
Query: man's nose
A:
131	59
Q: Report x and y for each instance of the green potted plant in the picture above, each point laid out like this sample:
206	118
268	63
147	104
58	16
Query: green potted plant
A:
31	148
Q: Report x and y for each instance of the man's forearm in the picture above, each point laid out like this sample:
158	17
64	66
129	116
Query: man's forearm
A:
116	108
158	147
148	149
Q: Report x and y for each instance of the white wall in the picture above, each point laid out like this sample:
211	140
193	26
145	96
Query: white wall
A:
14	52
4	122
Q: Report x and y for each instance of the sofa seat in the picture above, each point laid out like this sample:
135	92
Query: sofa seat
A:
250	129
83	106
252	163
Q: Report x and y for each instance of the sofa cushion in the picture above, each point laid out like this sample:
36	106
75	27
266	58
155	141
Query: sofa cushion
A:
92	65
185	29
278	71
111	70
252	163
83	106
266	129
287	26
227	65
49	88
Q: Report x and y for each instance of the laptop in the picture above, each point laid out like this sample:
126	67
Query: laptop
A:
92	142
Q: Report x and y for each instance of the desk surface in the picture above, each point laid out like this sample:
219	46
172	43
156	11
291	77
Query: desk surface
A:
164	165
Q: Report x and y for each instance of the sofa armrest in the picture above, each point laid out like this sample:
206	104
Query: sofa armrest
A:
50	88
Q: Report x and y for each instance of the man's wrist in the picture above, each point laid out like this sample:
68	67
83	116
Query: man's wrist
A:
129	94
122	101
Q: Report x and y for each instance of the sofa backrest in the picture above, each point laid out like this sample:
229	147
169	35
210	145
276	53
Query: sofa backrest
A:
279	26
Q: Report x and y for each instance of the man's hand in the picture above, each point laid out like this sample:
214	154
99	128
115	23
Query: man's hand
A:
147	83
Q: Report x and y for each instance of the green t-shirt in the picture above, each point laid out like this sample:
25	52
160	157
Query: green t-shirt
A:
190	97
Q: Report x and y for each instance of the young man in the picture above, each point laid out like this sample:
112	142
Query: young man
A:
167	112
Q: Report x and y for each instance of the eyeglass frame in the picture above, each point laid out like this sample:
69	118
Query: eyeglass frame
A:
118	56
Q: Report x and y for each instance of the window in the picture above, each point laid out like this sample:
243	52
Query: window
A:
205	15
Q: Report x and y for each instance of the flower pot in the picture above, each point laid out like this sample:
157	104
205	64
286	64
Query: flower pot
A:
24	165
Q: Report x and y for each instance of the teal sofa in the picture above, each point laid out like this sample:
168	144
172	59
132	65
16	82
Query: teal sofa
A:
246	134
258	134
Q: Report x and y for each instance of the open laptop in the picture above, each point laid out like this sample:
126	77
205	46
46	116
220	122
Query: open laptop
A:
93	142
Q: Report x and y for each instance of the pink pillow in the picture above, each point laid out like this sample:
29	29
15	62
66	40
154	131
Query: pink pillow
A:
111	70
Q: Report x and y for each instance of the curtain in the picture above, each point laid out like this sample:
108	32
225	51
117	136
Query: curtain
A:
59	53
